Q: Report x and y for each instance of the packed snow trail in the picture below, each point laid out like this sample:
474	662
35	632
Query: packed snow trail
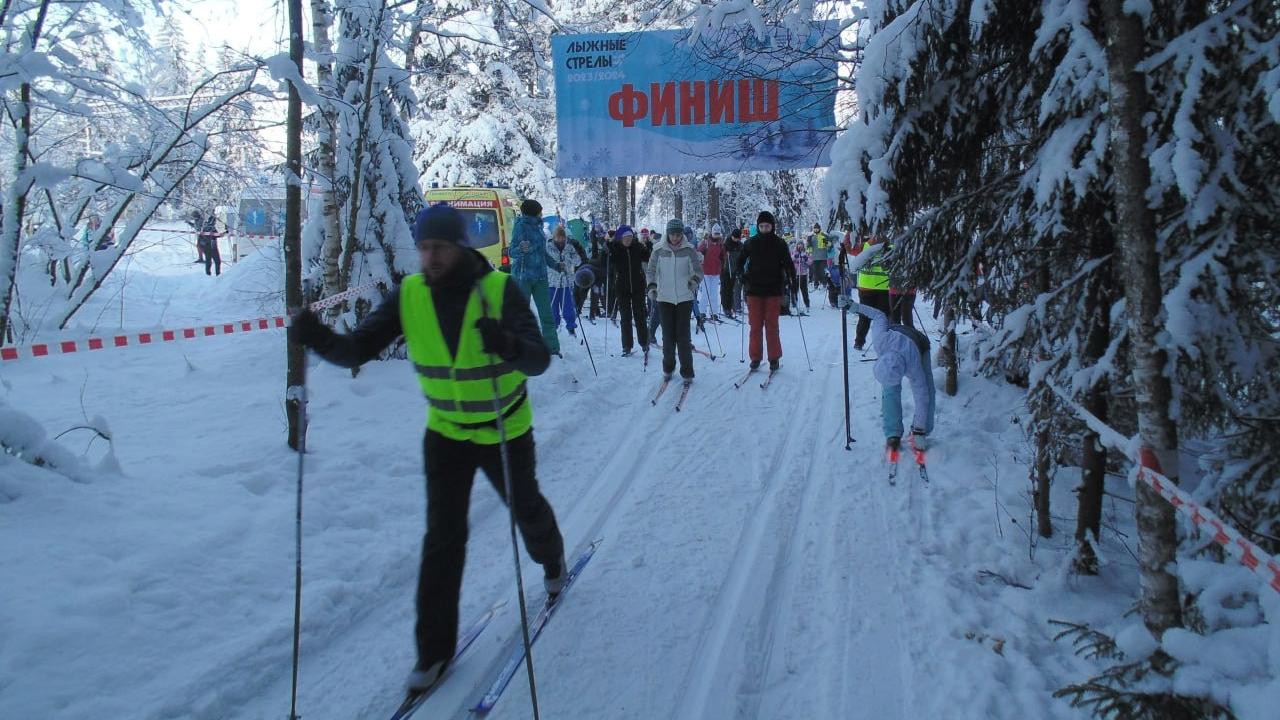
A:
752	567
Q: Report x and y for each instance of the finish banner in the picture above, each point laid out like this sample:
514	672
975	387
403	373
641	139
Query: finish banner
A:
663	103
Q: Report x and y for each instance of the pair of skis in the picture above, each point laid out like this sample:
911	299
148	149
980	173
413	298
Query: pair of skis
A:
893	453
662	387
509	669
751	371
696	349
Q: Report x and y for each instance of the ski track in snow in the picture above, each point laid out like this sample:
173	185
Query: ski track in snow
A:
750	566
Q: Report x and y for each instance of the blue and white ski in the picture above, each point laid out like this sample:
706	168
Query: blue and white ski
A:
414	700
499	685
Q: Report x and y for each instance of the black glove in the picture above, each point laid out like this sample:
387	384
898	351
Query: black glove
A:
496	340
308	330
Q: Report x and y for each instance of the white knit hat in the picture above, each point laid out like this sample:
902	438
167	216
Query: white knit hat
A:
716	230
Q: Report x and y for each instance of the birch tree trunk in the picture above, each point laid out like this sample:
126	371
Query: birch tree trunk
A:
362	132
1136	235
331	250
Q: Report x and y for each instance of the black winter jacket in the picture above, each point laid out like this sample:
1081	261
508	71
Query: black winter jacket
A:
765	266
381	327
628	266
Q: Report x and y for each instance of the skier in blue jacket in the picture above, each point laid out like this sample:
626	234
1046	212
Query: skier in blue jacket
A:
901	351
528	253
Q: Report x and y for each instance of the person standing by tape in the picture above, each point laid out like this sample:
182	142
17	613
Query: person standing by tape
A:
208	242
455	316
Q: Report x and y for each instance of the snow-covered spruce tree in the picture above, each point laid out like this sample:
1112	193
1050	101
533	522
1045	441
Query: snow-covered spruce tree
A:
1213	73
985	148
486	105
376	186
170	73
323	229
987	170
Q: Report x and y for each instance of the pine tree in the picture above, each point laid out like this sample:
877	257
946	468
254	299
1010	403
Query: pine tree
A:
486	104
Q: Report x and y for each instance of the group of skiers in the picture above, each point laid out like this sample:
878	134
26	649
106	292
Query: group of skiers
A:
474	341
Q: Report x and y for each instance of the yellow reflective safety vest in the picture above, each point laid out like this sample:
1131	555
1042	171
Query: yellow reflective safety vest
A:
872	276
459	389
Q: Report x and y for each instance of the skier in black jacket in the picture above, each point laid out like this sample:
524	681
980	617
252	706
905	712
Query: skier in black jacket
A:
627	257
456	316
766	269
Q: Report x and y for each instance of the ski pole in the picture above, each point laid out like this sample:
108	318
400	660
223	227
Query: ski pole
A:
844	334
505	454
707	337
608	309
742	335
804	342
298	393
706	291
589	356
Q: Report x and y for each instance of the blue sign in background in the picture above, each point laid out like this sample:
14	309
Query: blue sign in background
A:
654	103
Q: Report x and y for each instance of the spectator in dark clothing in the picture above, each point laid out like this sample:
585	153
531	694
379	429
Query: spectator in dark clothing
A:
196	221
627	258
208	242
466	326
730	290
765	266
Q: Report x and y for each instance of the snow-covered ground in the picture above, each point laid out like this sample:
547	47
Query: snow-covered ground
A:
750	567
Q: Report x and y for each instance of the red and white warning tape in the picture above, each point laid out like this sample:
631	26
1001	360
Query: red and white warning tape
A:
1249	555
228	233
336	298
66	347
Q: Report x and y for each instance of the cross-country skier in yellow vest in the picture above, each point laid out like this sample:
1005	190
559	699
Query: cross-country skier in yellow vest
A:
463	322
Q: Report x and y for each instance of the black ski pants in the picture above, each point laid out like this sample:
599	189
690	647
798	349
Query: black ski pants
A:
900	307
800	288
212	257
631	304
727	297
878	299
676	336
451	468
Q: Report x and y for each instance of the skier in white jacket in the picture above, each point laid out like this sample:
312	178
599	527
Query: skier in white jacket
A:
673	277
901	351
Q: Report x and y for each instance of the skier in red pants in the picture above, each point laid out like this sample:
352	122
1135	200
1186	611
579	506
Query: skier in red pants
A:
767	271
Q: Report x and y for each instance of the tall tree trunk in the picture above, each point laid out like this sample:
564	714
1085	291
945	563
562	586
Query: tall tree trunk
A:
679	200
632	203
1042	470
1097	310
296	354
331	250
604	195
950	361
713	200
1136	235
622	200
15	201
1043	467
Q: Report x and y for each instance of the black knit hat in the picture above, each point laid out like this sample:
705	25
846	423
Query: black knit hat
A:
531	207
766	217
440	222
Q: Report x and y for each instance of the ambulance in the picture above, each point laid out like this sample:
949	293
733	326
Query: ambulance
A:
490	212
